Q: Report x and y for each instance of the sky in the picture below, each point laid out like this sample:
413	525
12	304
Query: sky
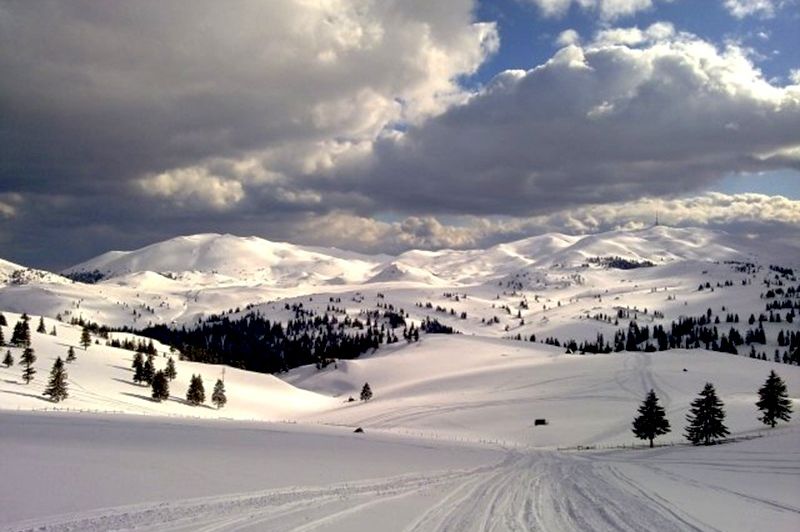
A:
394	124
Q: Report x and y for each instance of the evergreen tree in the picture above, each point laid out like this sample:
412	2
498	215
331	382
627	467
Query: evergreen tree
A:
170	372
196	394
651	421
706	418
149	370
160	386
86	338
218	396
138	368
3	321
8	360
2	338
57	386
27	359
53	331
21	336
40	328
366	392
773	401
71	355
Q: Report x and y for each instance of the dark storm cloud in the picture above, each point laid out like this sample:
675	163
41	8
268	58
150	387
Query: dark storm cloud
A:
598	124
128	122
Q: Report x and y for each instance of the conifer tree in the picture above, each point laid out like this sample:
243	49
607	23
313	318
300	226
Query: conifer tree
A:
773	401
366	392
86	338
8	360
57	386
706	418
218	396
138	368
27	359
196	393
170	371
651	421
3	321
71	355
2	338
149	370
21	336
160	386
40	328
53	331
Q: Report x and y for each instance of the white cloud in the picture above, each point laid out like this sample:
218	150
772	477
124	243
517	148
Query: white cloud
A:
567	37
636	112
759	213
193	187
746	8
607	9
9	204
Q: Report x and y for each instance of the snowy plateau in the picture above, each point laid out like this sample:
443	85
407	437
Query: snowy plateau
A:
450	439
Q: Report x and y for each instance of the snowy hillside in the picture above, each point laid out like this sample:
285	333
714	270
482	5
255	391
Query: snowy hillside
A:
574	330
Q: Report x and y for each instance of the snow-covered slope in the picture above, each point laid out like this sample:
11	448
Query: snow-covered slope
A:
235	257
101	380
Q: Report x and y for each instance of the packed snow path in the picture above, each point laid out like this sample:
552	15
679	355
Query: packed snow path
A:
439	486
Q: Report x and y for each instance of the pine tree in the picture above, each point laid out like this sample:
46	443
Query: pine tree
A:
3	321
27	359
196	394
71	355
138	368
706	418
651	421
57	386
366	392
170	372
149	370
21	336
773	401
2	338
8	360
160	386
86	338
40	328
53	331
218	396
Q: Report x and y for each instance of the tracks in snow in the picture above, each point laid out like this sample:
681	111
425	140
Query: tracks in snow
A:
541	491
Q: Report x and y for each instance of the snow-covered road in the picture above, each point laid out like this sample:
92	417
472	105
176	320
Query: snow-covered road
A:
373	482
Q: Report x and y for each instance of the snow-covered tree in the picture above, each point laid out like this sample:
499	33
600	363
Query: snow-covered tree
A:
218	397
160	386
57	385
773	401
27	359
651	421
196	394
706	417
366	392
71	355
8	360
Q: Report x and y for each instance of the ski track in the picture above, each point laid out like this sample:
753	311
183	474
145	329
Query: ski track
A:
527	491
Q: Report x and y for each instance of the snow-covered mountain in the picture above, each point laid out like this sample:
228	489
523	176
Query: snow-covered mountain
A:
231	258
